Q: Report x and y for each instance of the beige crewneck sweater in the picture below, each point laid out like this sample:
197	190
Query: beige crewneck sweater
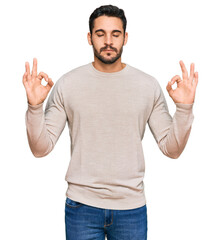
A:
107	115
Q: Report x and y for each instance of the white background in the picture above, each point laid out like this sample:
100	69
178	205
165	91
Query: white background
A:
183	195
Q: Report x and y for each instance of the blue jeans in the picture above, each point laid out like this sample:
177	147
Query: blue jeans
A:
84	222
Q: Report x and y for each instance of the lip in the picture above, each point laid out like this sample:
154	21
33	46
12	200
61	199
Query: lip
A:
108	50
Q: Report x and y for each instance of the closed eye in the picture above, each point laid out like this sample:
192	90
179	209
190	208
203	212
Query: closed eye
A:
103	35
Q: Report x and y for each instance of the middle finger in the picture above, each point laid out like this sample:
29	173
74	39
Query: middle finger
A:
27	68
34	69
184	71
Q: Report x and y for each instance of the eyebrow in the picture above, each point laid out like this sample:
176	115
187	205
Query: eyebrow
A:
102	30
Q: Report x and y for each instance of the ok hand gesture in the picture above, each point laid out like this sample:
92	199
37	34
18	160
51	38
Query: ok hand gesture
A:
186	87
36	92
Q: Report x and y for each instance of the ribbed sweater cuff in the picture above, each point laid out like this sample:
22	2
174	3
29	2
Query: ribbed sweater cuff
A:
184	108
35	109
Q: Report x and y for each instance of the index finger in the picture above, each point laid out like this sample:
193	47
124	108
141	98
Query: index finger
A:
184	71
34	69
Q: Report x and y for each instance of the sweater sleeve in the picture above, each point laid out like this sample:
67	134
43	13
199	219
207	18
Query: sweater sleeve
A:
45	127
171	134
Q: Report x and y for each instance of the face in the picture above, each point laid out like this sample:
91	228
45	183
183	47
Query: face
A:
107	39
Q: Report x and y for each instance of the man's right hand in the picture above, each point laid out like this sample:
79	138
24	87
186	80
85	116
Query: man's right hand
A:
36	92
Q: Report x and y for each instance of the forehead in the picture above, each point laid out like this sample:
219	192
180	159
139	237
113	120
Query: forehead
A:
108	23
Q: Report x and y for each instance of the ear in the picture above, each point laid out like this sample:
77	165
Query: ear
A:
125	38
89	38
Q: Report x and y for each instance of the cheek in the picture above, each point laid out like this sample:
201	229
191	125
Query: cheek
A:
118	46
98	44
119	43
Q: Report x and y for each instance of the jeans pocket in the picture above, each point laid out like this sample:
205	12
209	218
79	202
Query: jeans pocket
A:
72	204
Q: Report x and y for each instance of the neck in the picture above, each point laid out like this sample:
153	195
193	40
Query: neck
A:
114	67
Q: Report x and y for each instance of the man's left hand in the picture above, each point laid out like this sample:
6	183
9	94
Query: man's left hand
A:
186	87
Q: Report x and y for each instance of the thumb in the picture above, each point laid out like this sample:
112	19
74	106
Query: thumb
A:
50	84
169	88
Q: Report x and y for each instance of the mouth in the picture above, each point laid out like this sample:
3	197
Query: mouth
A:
108	50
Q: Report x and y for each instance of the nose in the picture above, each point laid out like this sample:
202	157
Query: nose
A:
108	39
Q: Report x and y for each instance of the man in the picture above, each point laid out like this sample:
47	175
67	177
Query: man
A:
107	105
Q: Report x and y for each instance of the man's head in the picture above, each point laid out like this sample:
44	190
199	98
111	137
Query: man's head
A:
107	32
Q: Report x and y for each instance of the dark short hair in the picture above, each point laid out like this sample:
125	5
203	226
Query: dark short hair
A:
110	11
